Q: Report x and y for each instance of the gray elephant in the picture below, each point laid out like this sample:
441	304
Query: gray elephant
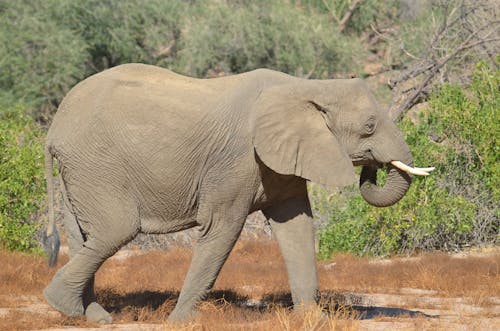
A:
142	149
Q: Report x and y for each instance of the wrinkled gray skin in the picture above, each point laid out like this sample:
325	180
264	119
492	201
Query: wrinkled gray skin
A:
142	149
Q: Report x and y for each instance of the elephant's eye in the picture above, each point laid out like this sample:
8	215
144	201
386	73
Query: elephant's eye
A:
370	126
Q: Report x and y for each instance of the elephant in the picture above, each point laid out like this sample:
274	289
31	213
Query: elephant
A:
141	149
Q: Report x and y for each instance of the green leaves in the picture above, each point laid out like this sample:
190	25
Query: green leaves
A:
49	46
467	122
39	59
233	37
21	179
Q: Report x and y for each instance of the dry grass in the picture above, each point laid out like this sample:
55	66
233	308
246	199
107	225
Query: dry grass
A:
251	292
23	273
467	276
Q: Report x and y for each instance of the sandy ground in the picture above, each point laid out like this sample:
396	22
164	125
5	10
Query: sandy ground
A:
441	302
377	311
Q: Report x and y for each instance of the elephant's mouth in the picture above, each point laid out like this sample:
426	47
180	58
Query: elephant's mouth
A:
363	159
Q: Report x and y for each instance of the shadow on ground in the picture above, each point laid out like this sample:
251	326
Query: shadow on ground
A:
350	304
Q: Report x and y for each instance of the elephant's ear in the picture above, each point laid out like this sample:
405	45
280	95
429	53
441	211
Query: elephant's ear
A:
292	138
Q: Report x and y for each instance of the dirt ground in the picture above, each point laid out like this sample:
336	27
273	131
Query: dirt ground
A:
432	291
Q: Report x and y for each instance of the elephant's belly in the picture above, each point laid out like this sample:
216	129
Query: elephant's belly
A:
159	225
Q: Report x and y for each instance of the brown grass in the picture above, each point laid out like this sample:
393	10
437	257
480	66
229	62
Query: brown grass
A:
145	287
23	273
448	275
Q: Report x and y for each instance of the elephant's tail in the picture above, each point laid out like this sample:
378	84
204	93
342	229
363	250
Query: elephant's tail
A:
50	237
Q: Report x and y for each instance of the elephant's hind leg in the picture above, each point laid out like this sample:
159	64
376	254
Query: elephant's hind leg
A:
94	311
110	225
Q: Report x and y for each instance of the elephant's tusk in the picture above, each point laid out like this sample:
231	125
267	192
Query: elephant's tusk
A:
411	170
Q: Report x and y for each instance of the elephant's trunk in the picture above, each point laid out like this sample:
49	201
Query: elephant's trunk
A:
396	185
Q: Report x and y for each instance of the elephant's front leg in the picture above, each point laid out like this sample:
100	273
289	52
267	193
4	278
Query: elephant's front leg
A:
292	224
219	231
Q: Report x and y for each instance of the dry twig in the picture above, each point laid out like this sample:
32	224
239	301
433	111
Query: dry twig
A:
450	31
348	14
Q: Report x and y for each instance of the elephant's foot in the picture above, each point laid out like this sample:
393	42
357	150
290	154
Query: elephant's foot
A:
63	298
179	315
95	313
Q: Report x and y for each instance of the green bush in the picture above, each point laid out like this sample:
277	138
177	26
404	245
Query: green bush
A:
122	31
458	204
22	185
48	46
236	37
366	13
468	125
39	59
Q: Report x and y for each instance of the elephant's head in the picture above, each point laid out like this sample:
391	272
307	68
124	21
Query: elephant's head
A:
320	130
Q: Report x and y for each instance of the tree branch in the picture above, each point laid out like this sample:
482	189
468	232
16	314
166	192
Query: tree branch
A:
348	14
458	27
399	113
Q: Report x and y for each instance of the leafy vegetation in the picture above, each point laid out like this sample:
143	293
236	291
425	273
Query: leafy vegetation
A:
456	206
21	179
362	15
264	33
51	45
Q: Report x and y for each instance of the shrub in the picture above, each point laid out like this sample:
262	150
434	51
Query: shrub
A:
468	125
235	37
39	59
365	13
458	204
22	185
122	31
48	46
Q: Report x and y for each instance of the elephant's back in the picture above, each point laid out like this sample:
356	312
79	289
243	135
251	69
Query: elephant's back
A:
130	95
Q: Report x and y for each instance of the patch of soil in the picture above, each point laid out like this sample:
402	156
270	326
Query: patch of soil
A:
140	288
